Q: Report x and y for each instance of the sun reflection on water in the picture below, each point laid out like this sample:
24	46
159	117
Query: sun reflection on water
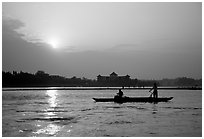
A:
53	97
51	128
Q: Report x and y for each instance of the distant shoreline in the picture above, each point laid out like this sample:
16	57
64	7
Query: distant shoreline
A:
95	88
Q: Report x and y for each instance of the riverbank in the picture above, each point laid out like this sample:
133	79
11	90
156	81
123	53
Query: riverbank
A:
97	88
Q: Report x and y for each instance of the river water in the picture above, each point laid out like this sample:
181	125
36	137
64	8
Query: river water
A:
73	113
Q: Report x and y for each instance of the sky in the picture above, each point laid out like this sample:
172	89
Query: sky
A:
144	40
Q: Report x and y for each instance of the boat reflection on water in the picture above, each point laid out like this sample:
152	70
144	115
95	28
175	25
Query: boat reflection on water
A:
48	124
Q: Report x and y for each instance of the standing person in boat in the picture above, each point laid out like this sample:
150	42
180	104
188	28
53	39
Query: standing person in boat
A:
155	92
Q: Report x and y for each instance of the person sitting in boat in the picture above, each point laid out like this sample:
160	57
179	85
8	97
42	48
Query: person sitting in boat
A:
155	92
120	93
119	97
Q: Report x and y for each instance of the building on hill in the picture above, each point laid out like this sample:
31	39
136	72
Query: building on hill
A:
112	77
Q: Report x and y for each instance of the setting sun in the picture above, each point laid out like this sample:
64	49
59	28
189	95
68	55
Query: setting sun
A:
54	43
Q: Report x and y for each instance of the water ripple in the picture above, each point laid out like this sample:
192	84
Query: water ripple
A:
183	108
41	111
48	118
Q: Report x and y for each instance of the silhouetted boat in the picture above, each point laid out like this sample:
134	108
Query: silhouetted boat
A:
133	99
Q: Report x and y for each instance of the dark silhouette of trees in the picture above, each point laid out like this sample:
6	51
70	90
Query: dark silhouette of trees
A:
181	82
147	83
43	79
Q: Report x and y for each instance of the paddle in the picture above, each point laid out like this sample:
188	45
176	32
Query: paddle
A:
151	93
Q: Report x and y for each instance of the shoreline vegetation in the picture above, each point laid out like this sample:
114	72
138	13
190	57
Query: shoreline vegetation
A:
96	88
43	81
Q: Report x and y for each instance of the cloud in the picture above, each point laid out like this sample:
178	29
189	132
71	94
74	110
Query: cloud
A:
9	27
125	47
16	28
12	24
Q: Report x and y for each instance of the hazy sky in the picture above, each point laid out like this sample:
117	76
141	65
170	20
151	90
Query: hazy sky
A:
144	40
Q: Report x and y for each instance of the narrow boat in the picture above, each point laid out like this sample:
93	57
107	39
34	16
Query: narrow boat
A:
133	99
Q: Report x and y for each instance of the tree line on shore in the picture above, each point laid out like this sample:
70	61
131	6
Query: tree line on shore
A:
43	79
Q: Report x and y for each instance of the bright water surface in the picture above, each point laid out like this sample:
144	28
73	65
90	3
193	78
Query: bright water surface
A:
74	113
